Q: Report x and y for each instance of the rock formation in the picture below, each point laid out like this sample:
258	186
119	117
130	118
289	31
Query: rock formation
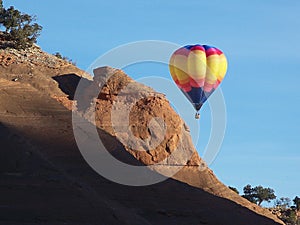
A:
45	180
121	94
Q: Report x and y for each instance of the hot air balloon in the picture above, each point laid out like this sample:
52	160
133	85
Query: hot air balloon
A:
198	70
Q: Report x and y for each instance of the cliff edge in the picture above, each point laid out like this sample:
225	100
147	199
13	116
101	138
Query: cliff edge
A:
47	181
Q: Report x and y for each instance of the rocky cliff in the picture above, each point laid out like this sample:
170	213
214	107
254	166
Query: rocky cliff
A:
47	181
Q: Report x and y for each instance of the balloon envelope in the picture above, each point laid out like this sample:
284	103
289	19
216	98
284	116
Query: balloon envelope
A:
198	70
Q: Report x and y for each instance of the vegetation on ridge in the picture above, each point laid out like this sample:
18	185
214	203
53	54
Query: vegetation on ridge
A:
258	194
58	55
21	31
283	208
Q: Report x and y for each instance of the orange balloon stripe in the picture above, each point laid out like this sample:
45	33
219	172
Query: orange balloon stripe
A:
197	82
184	81
185	87
216	84
208	87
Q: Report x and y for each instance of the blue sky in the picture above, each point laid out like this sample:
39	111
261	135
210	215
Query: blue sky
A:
261	42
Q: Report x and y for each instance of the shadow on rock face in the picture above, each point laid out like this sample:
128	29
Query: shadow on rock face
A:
69	82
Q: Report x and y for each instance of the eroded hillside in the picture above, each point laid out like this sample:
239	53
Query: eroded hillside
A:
45	180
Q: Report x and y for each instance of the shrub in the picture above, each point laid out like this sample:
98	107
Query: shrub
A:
58	55
234	189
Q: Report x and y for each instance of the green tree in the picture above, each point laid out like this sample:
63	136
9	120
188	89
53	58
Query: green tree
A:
289	217
1	5
283	203
296	201
1	12
258	194
249	194
20	28
263	194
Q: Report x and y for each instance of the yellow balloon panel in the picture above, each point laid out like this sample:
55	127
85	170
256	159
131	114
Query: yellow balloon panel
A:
223	67
172	68
196	64
180	68
212	69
